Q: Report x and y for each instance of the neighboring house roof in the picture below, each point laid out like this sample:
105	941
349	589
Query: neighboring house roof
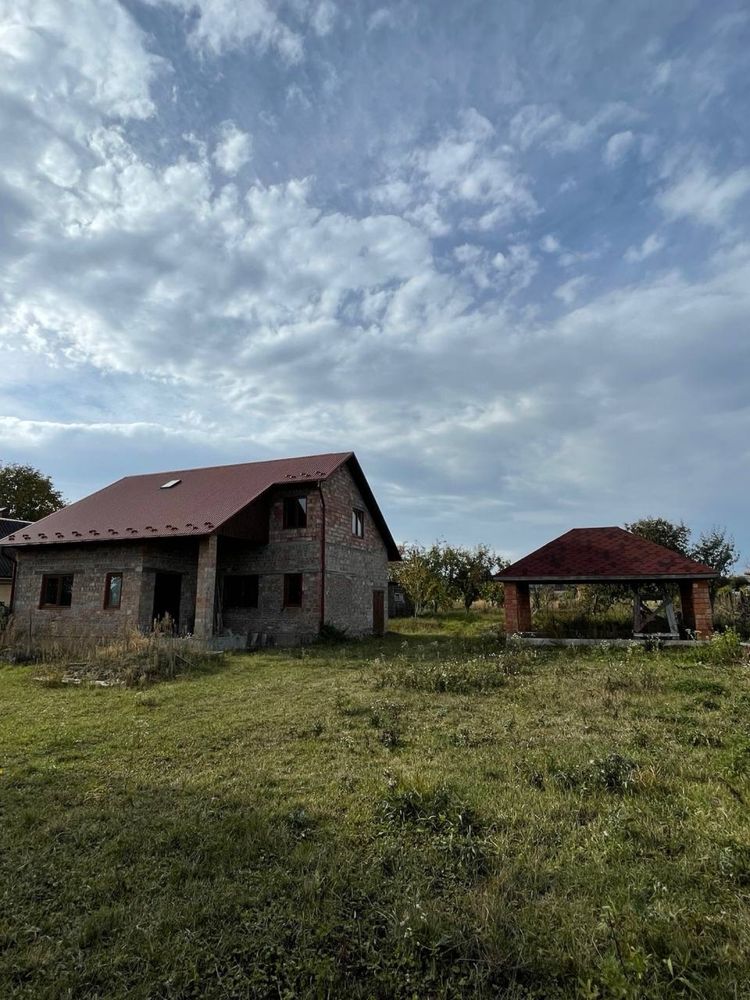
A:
594	555
137	507
7	526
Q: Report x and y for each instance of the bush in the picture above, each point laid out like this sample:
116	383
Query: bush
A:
725	647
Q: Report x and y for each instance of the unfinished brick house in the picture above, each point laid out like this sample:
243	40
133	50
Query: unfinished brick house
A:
272	549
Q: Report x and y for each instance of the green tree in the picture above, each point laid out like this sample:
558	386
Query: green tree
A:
418	576
27	493
464	571
716	548
663	532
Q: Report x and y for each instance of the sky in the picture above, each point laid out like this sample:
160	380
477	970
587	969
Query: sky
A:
501	250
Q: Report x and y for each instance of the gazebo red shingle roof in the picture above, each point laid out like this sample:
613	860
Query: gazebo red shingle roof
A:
594	555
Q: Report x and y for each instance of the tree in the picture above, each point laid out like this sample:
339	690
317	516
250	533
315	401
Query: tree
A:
418	576
716	549
27	493
663	532
465	571
437	576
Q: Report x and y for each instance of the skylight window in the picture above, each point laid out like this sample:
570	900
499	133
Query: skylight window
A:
170	484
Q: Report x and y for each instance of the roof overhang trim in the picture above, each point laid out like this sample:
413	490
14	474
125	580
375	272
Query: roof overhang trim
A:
654	578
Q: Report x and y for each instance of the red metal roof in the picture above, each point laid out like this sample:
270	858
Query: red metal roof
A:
136	507
602	554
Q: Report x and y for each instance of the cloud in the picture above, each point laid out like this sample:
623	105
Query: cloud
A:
465	170
549	243
617	147
324	17
222	25
699	195
546	126
233	150
570	290
71	61
651	245
383	17
387	276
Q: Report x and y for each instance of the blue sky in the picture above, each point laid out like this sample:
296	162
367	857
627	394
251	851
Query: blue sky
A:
501	250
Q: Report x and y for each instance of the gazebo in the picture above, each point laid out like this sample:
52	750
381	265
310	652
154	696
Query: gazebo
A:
612	556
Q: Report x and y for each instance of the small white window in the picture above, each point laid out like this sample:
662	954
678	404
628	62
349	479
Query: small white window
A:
358	523
170	484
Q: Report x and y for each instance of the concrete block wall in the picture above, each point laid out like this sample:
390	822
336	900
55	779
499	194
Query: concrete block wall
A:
179	555
289	550
354	566
86	617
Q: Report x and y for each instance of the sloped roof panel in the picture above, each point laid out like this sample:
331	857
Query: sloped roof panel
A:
603	554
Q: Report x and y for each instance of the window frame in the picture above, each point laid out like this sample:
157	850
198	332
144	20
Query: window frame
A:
56	606
241	607
290	523
107	583
358	521
288	603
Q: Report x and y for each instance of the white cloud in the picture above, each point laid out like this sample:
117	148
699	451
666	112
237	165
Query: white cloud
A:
549	243
617	147
383	17
704	197
221	25
464	169
546	126
233	150
71	60
569	291
324	17
651	245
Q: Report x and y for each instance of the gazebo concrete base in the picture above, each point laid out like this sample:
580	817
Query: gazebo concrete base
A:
528	640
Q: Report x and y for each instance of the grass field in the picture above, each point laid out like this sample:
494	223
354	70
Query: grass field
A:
427	815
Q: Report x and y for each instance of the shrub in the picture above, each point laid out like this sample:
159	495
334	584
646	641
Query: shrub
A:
725	647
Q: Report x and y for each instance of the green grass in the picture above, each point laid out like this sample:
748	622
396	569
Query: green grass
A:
427	815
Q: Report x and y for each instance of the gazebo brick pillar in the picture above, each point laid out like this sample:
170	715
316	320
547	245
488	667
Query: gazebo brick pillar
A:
517	608
205	594
695	602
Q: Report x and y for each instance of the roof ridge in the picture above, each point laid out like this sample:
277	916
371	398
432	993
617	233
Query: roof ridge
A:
236	465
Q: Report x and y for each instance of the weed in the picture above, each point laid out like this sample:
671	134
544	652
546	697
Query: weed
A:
611	773
438	809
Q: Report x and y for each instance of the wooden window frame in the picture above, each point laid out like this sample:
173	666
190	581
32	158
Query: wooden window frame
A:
290	522
45	605
107	582
241	607
358	522
287	602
